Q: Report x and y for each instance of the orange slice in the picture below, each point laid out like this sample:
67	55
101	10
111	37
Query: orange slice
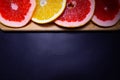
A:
48	10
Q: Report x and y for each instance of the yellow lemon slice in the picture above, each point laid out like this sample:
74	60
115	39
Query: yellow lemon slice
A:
48	10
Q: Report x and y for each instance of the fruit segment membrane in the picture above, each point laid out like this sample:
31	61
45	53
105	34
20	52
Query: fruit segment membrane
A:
17	9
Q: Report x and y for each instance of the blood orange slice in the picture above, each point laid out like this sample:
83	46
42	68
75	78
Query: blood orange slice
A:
16	13
77	13
107	12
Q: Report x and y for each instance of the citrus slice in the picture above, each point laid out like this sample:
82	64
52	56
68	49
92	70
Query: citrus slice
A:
77	13
107	12
48	10
16	13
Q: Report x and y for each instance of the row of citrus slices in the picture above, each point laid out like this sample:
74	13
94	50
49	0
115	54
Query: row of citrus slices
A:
66	13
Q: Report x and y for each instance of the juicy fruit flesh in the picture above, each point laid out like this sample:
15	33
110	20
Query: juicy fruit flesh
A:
47	8
76	10
14	10
106	9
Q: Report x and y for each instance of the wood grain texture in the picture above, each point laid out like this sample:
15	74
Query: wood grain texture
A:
52	27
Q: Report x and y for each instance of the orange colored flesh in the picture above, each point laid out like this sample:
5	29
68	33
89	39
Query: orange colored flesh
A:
75	12
112	9
14	15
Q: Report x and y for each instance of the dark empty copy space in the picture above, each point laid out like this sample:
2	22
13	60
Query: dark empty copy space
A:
59	56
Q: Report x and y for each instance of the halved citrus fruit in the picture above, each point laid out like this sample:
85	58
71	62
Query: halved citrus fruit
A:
16	13
77	13
107	12
48	10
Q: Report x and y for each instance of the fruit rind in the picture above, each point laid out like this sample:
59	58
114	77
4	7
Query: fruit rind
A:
108	22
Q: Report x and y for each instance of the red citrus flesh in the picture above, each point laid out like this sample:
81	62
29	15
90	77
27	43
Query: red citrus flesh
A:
107	12
77	13
16	13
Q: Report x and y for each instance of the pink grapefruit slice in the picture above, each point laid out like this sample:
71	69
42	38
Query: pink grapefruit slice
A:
107	12
16	13
77	13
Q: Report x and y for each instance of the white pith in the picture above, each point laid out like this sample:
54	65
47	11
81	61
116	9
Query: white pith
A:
43	2
23	22
105	8
107	23
14	6
78	23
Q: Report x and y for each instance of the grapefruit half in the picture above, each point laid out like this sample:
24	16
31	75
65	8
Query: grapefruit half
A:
77	13
16	13
107	12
